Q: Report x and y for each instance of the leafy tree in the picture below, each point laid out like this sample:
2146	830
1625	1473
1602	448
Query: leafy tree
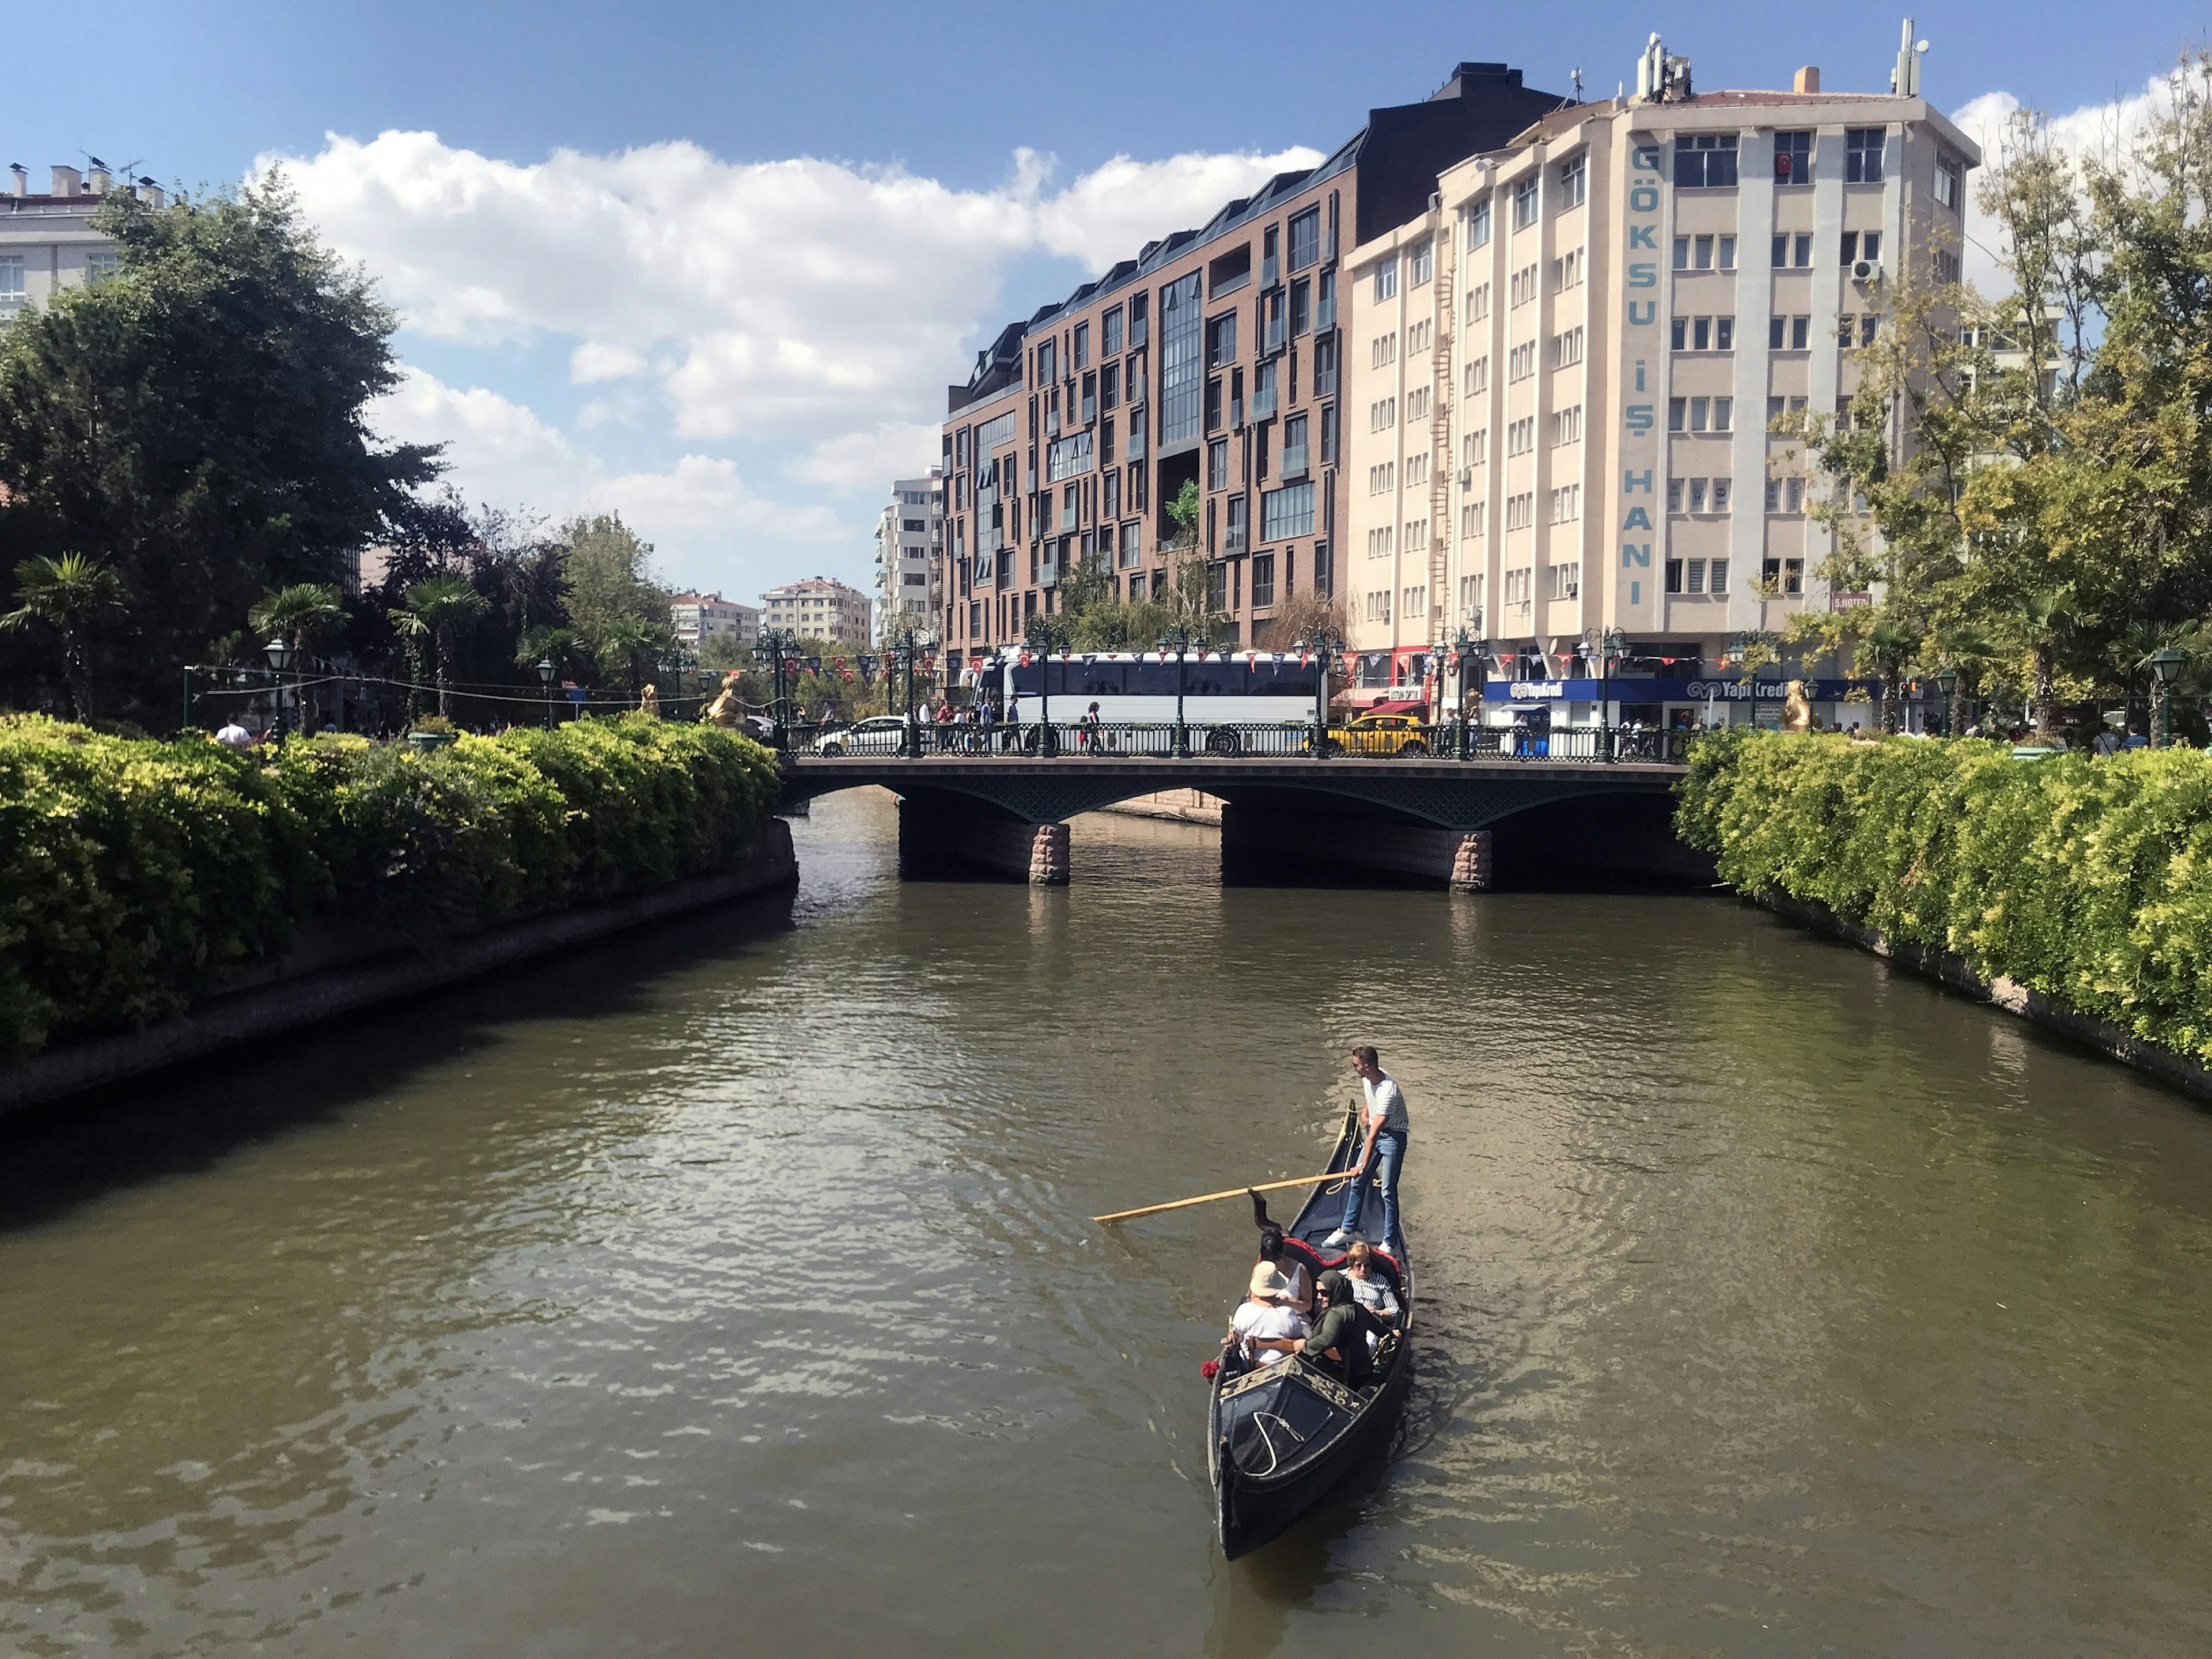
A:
607	572
303	616
73	596
436	612
200	419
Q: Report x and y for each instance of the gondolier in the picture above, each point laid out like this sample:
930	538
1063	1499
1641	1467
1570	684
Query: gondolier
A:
1385	1124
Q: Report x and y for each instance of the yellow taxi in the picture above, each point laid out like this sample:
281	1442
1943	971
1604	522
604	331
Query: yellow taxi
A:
1404	735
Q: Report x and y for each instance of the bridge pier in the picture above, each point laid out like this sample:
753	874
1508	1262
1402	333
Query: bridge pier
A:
1457	859
934	834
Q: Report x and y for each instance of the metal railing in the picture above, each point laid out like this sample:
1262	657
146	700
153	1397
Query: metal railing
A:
1450	740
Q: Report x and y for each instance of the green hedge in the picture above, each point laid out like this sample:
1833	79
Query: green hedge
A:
2088	879
134	874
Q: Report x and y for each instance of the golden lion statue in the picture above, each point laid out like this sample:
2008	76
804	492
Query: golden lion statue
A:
725	711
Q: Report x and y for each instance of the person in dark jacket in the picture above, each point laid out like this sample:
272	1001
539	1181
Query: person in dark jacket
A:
1340	1344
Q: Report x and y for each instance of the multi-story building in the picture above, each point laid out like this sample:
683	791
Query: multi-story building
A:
47	242
909	536
1212	360
1564	377
818	609
698	617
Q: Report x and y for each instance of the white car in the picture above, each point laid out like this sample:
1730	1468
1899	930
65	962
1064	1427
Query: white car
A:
878	734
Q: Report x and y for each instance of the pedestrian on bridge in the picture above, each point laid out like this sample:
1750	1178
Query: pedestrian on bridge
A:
1385	1124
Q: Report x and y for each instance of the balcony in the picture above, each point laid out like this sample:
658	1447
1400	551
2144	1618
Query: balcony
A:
1028	475
1135	450
1052	424
1271	271
1138	329
1090	411
1328	245
1048	572
1271	340
1263	402
1293	462
1140	386
1234	540
1067	517
1236	414
1325	313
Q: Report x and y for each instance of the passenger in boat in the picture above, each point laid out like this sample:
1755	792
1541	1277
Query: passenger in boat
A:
1370	1286
1289	1256
1385	1124
1340	1344
1265	1327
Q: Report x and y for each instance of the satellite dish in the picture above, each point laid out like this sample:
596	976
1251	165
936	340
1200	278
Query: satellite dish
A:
1920	45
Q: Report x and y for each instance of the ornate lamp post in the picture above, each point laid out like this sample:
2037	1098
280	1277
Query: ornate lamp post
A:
1179	638
1946	684
1466	648
545	672
1327	645
774	650
2166	663
1044	635
281	656
1612	647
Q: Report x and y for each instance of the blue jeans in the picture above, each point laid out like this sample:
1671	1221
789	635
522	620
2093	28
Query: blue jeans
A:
1389	1158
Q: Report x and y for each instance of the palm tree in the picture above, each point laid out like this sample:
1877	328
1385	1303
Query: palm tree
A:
2047	617
1891	646
629	645
436	607
73	595
1966	649
302	616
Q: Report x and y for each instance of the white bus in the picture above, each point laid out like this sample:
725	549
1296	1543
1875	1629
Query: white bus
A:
1228	701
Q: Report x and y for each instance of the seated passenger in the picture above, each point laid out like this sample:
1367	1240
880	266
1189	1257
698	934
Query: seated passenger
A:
1289	1256
1370	1285
1339	1343
1264	1328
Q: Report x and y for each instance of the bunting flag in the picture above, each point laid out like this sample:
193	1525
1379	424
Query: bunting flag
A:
1279	660
1088	658
812	664
1305	659
1164	656
1022	660
1251	658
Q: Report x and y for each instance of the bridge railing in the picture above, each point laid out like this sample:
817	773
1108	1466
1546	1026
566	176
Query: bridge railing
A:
1452	740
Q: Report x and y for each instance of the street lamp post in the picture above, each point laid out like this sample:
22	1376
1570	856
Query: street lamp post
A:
774	649
545	672
1612	645
1465	648
2166	664
1045	635
1947	684
1327	645
280	663
1179	638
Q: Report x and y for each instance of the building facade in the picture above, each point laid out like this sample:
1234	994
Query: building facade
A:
909	541
1566	375
46	241
699	618
1212	360
818	609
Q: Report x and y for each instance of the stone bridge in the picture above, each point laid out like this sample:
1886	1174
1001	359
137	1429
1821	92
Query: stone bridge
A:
1441	820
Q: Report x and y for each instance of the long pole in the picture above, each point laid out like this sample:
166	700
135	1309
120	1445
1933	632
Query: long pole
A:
1228	1192
1182	736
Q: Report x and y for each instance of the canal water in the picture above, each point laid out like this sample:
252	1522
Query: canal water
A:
730	1291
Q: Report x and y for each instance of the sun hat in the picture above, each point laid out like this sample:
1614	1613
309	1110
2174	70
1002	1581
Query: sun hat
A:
1267	1281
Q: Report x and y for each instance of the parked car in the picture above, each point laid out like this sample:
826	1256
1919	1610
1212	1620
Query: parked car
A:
878	734
1379	734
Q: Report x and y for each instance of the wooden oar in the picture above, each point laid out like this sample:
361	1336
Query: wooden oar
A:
1233	1192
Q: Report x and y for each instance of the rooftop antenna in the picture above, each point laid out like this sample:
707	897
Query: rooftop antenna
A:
1905	79
1578	79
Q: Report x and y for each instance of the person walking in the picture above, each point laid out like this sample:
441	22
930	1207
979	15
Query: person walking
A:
1385	1124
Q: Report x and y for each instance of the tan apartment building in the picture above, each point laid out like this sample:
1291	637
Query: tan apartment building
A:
47	243
1562	378
697	617
818	609
909	546
1213	358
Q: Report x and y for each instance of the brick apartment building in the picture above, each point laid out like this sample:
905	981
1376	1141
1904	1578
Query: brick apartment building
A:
1215	356
1562	375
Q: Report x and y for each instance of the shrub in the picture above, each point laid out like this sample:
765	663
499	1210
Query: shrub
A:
134	875
2086	879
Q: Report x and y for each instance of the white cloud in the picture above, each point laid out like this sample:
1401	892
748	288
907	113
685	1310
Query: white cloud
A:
702	492
498	450
800	299
869	459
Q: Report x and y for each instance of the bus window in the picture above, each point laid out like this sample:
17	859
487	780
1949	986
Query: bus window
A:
1099	679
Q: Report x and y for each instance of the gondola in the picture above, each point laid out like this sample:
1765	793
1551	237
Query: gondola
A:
1282	1435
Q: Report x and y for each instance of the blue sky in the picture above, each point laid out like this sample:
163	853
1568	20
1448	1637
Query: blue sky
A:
713	266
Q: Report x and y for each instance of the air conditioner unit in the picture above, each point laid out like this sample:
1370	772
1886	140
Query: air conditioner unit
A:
1466	477
1865	270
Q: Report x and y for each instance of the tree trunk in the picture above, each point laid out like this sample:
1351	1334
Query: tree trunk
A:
76	675
442	702
2045	725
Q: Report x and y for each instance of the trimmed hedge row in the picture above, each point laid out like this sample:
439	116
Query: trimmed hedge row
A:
134	874
2089	880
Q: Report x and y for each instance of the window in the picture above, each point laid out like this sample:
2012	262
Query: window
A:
1419	335
101	269
1682	253
1065	458
1567	580
993	433
1478	225
1720	491
1724	334
1417	535
1382	415
1781	251
1520	510
1470	597
1478	377
1950	177
1947	266
1678	414
1286	512
1567	347
1522	287
1474	448
1675	494
1110	387
1520	436
1263	580
1717	581
1574	181
1724	414
1566	504
1305	239
1182	371
1378	606
1416	404
1047	357
1787	333
1328	435
1420	264
1517	585
1383	351
1416	602
1867	323
1566	426
1793	158
1478	302
1416	471
1472	518
1324	365
1704	159
1385	279
1524	203
1520	361
1703	334
1382	479
1673	575
1567	270
12	292
1109	493
1221	340
1861	245
1082	345
1301	307
1110	332
1862	155
1697	494
1845	330
1726	253
1381	543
